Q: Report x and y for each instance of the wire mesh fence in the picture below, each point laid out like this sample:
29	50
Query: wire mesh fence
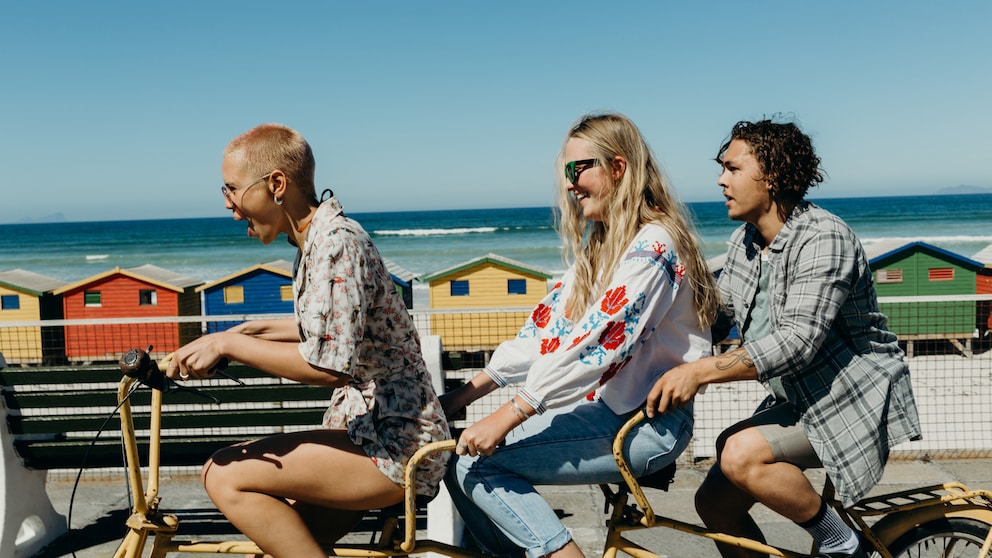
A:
947	341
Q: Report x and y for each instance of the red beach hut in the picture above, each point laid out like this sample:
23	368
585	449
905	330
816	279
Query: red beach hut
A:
123	303
983	286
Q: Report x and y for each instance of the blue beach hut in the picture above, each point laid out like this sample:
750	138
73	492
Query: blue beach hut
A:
403	279
265	288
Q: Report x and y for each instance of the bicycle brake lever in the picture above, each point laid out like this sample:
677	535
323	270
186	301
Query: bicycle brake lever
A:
174	387
219	370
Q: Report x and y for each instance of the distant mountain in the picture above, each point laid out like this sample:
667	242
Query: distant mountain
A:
51	218
964	189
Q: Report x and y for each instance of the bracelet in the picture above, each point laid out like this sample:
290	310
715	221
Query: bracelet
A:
517	410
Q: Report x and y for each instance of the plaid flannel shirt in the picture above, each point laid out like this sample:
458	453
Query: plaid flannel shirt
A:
839	365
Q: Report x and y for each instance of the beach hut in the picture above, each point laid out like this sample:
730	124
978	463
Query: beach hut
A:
983	286
403	279
918	269
488	282
26	296
124	302
261	289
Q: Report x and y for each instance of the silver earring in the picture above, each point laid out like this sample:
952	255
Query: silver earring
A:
277	200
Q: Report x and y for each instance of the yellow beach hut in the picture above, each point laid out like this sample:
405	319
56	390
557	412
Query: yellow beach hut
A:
26	296
488	282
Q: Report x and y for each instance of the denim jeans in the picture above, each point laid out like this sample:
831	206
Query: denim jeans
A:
495	494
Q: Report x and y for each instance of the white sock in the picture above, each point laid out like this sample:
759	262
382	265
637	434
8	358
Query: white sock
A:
830	532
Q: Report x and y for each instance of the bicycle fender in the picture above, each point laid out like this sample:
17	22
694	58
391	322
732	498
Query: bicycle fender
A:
894	525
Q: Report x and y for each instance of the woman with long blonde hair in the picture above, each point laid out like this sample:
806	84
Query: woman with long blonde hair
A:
636	300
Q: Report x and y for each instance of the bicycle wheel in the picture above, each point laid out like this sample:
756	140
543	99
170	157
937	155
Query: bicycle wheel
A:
949	537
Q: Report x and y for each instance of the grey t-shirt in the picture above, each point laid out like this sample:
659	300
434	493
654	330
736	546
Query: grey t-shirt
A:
760	325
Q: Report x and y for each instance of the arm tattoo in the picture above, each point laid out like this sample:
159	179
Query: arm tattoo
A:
729	360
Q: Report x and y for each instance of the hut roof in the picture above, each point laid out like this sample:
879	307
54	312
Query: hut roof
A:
493	259
147	273
984	256
279	267
932	250
398	271
29	281
877	247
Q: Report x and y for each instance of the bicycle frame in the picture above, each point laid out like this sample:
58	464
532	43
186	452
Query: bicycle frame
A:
147	519
898	512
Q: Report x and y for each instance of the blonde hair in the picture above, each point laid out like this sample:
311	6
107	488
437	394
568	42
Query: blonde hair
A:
639	197
268	147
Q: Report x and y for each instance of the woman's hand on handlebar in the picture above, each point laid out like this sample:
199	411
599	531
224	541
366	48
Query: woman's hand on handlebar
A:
197	359
483	437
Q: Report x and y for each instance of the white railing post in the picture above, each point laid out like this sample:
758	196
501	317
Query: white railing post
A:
443	522
27	518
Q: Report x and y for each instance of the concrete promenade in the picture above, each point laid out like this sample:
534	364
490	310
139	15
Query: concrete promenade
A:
100	508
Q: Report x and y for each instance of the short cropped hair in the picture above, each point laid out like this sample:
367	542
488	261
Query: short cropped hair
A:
268	147
785	156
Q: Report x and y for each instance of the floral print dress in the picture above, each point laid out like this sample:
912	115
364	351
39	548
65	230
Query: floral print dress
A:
352	320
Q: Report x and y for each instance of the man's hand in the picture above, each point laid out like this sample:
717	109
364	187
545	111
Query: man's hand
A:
674	389
679	385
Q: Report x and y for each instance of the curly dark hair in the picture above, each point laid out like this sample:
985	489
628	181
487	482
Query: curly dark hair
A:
785	156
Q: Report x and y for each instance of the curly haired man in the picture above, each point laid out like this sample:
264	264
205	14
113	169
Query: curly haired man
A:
797	284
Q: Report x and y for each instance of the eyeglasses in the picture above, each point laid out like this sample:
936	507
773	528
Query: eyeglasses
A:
574	168
229	192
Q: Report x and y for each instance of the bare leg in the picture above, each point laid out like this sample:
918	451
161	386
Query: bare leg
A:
255	485
748	462
747	473
328	525
724	508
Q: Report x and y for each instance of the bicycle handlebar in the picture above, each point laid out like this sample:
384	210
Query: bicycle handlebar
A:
137	364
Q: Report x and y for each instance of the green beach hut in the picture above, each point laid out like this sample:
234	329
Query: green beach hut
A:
946	282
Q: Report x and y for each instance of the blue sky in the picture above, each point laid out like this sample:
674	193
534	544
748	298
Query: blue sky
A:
121	110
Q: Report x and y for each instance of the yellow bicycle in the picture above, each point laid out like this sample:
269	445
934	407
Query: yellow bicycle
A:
945	520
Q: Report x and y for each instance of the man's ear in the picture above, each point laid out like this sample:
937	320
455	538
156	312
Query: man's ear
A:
619	166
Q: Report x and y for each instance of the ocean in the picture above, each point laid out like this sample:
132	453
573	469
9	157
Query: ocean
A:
424	242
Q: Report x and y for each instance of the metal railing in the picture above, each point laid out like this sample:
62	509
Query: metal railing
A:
950	362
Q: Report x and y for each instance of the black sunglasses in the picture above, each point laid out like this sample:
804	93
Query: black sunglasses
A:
574	168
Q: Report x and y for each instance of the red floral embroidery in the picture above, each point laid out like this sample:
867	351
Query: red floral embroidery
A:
578	340
550	345
612	370
614	300
613	336
659	247
541	315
